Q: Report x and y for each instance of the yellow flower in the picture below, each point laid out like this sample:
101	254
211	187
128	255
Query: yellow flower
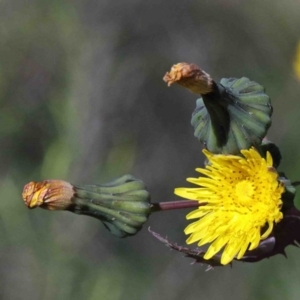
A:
240	200
296	63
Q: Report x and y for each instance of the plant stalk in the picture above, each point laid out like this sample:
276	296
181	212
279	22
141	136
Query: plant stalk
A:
161	206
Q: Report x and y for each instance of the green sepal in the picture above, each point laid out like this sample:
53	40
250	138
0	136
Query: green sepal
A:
236	115
289	193
122	205
268	146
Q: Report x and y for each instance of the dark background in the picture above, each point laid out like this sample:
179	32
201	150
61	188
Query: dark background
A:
82	99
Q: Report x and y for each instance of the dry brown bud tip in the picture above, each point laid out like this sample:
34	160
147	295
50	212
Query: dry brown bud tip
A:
191	77
48	194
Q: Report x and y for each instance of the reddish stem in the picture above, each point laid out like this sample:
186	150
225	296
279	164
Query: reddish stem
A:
180	204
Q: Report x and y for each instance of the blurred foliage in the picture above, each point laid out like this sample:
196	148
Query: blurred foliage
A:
82	99
297	62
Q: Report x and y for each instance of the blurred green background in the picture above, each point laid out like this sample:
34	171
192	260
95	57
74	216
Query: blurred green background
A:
82	99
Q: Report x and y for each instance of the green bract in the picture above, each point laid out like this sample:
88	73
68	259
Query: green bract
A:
123	205
234	116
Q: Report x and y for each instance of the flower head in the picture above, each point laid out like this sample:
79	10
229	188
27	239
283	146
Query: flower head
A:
122	205
240	199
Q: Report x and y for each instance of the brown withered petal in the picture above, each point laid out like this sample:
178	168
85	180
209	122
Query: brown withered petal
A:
191	77
48	194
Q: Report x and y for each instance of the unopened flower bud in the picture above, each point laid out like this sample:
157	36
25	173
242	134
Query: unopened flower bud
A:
230	116
48	194
122	205
191	77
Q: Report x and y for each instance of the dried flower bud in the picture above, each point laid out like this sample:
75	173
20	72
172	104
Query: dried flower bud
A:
48	194
191	77
123	205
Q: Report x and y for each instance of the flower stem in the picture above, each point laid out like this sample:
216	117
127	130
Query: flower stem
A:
160	206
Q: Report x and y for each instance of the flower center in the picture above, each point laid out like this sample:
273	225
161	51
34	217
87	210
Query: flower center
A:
244	191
